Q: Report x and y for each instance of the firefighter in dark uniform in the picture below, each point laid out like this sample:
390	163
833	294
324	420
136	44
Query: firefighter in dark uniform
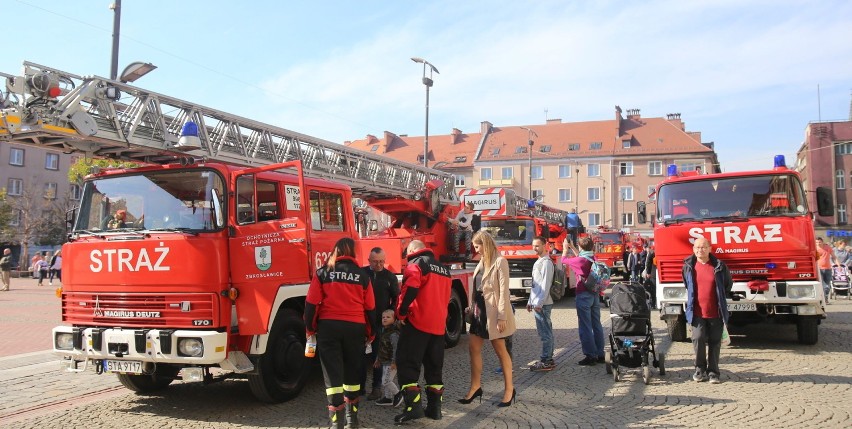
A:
422	311
340	309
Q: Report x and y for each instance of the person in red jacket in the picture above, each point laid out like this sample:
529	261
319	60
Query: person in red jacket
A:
340	309
422	311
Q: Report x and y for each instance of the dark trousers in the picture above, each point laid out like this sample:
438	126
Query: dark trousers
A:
341	351
707	334
416	348
369	359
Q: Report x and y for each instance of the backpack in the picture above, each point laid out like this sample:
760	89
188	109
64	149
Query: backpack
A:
598	279
557	285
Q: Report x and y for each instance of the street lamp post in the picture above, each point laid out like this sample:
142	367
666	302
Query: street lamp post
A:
530	134
603	220
427	81
116	29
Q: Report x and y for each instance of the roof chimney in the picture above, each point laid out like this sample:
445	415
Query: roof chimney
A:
454	136
618	120
674	118
633	114
485	127
554	121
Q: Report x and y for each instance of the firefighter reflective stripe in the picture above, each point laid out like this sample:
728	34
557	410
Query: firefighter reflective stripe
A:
333	390
351	387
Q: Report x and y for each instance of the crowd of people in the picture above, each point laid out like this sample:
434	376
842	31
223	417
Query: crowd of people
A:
829	257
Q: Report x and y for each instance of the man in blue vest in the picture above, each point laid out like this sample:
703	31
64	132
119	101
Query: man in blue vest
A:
573	223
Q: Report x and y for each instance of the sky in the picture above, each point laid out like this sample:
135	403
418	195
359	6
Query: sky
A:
749	75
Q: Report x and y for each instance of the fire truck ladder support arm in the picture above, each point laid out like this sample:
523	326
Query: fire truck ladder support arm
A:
107	118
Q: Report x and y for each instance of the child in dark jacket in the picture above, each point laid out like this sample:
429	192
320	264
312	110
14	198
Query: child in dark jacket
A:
387	360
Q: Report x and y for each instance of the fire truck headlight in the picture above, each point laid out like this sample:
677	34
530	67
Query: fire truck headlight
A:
64	341
192	347
674	292
800	291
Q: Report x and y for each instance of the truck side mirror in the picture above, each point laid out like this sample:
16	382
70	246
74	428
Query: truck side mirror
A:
641	216
825	203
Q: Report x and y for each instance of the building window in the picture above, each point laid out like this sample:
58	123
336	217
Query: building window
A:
485	174
593	170
574	146
16	218
544	148
564	171
689	166
594	219
627	219
625	144
655	168
495	151
51	161
459	180
15	187
50	191
594	194
625	193
460	159
538	194
840	181
564	195
76	192
841	213
16	156
506	173
536	172
521	149
652	192
374	148
843	148
625	168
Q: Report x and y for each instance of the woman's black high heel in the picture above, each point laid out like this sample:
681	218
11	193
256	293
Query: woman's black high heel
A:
506	404
472	397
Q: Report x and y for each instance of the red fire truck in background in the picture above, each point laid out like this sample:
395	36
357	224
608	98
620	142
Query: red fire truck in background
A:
224	226
759	224
514	221
612	245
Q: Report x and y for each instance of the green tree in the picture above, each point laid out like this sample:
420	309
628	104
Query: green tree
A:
83	167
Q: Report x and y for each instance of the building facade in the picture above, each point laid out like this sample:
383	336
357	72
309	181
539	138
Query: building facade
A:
600	168
825	160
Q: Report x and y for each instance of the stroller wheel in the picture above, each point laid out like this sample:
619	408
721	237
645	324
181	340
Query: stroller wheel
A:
608	360
661	363
646	374
615	374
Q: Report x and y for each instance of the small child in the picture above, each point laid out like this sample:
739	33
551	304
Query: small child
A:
387	359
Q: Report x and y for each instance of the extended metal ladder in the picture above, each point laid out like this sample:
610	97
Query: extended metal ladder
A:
541	211
107	118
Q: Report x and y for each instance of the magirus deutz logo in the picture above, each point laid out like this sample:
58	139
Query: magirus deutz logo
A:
263	257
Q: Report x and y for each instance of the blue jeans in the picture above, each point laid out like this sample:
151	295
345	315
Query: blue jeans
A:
545	331
591	330
826	281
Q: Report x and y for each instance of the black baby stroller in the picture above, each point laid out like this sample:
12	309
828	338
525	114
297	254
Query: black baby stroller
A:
631	340
840	282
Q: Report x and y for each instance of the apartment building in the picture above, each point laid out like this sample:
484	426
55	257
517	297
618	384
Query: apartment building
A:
825	160
600	168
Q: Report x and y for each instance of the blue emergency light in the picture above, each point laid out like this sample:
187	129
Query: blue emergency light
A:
672	170
779	161
189	137
530	204
770	265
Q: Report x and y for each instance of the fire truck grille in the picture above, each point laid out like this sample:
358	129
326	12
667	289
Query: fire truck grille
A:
136	310
748	268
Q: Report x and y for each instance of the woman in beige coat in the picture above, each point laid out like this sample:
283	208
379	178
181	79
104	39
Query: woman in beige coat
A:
492	317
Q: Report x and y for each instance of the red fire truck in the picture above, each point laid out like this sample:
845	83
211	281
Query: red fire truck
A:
514	221
759	224
223	228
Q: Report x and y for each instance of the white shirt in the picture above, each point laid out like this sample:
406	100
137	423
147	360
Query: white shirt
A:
542	277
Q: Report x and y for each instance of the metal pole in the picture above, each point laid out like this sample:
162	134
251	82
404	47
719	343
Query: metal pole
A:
426	135
577	197
116	30
530	166
603	221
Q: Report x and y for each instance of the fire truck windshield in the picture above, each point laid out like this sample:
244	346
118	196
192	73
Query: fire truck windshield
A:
513	232
606	238
160	200
732	197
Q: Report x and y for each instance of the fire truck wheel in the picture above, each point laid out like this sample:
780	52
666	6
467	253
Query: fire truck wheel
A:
807	329
677	329
150	383
283	370
455	320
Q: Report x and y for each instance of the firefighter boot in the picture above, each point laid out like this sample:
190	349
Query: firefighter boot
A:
335	414
352	413
413	405
434	396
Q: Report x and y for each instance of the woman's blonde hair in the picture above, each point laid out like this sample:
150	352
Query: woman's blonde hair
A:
487	247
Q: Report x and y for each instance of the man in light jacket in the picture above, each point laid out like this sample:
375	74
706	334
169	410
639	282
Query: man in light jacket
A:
541	303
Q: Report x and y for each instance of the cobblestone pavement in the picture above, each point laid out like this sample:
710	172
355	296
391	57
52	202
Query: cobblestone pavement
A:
768	381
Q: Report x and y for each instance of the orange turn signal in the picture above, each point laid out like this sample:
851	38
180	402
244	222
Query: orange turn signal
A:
58	292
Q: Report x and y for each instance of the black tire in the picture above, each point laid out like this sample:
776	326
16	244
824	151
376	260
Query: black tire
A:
646	374
161	379
807	329
676	329
661	363
283	370
608	361
455	320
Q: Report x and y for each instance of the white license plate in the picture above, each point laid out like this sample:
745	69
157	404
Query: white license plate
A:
124	366
742	306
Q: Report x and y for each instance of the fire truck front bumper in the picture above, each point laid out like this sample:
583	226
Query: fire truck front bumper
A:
140	345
